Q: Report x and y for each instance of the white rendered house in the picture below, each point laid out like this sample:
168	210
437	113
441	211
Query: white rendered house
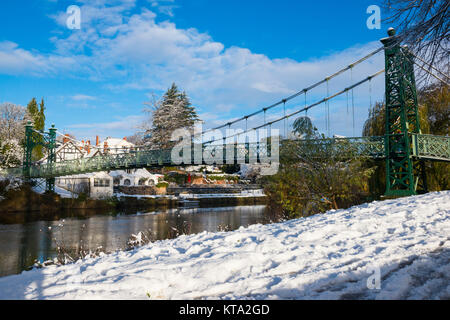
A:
97	185
135	177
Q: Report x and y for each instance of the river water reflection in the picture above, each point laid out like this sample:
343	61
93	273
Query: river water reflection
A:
21	243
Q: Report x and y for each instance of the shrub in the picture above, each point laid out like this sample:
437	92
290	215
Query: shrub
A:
224	177
162	185
176	177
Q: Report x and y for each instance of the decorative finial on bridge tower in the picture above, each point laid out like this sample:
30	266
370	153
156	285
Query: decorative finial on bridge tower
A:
52	130
391	32
391	39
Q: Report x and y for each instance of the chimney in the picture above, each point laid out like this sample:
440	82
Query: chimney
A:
125	138
97	141
88	146
66	138
105	147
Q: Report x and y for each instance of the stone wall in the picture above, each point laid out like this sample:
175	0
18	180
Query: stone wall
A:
211	189
140	190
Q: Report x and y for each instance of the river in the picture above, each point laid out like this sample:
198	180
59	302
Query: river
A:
24	241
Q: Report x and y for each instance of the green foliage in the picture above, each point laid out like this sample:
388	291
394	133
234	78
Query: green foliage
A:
3	186
303	127
313	178
436	100
10	154
174	111
176	177
224	177
113	201
434	118
162	185
168	169
375	125
82	196
231	168
32	108
37	115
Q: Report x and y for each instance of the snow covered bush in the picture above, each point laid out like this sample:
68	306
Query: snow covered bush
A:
140	239
11	153
9	183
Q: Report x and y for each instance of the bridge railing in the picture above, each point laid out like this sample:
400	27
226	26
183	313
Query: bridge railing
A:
427	146
342	148
424	146
105	162
370	147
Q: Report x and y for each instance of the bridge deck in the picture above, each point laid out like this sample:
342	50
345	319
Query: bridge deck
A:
427	147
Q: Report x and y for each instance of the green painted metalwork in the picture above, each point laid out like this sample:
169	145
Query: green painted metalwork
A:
372	147
33	139
404	175
430	147
425	147
346	148
403	147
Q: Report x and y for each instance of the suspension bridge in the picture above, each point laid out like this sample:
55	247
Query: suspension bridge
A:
403	147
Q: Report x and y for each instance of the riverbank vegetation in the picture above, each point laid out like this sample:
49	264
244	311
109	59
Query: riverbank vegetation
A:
23	199
312	179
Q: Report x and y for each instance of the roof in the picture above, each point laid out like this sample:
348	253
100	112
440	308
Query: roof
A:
140	173
100	174
62	146
118	143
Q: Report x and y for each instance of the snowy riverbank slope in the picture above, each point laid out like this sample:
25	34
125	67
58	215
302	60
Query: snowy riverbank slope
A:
327	256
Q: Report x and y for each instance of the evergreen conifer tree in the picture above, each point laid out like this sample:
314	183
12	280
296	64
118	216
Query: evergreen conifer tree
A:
37	116
173	111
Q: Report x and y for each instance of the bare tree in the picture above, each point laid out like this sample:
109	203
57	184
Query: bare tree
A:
424	26
137	139
12	132
60	138
12	119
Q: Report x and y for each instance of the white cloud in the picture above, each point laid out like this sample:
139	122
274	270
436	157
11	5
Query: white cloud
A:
132	51
127	122
83	97
14	60
118	127
164	6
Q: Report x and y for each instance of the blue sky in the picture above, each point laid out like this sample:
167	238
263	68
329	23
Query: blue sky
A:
232	57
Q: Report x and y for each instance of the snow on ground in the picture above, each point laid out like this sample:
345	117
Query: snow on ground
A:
327	256
151	196
190	196
63	193
242	194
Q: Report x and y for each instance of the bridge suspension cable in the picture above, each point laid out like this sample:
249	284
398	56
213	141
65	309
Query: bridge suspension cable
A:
283	101
431	74
305	108
428	64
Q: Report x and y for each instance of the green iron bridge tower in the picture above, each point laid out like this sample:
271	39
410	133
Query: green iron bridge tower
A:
405	175
403	147
33	139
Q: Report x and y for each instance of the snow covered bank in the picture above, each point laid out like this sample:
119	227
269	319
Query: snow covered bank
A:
63	193
242	194
328	256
